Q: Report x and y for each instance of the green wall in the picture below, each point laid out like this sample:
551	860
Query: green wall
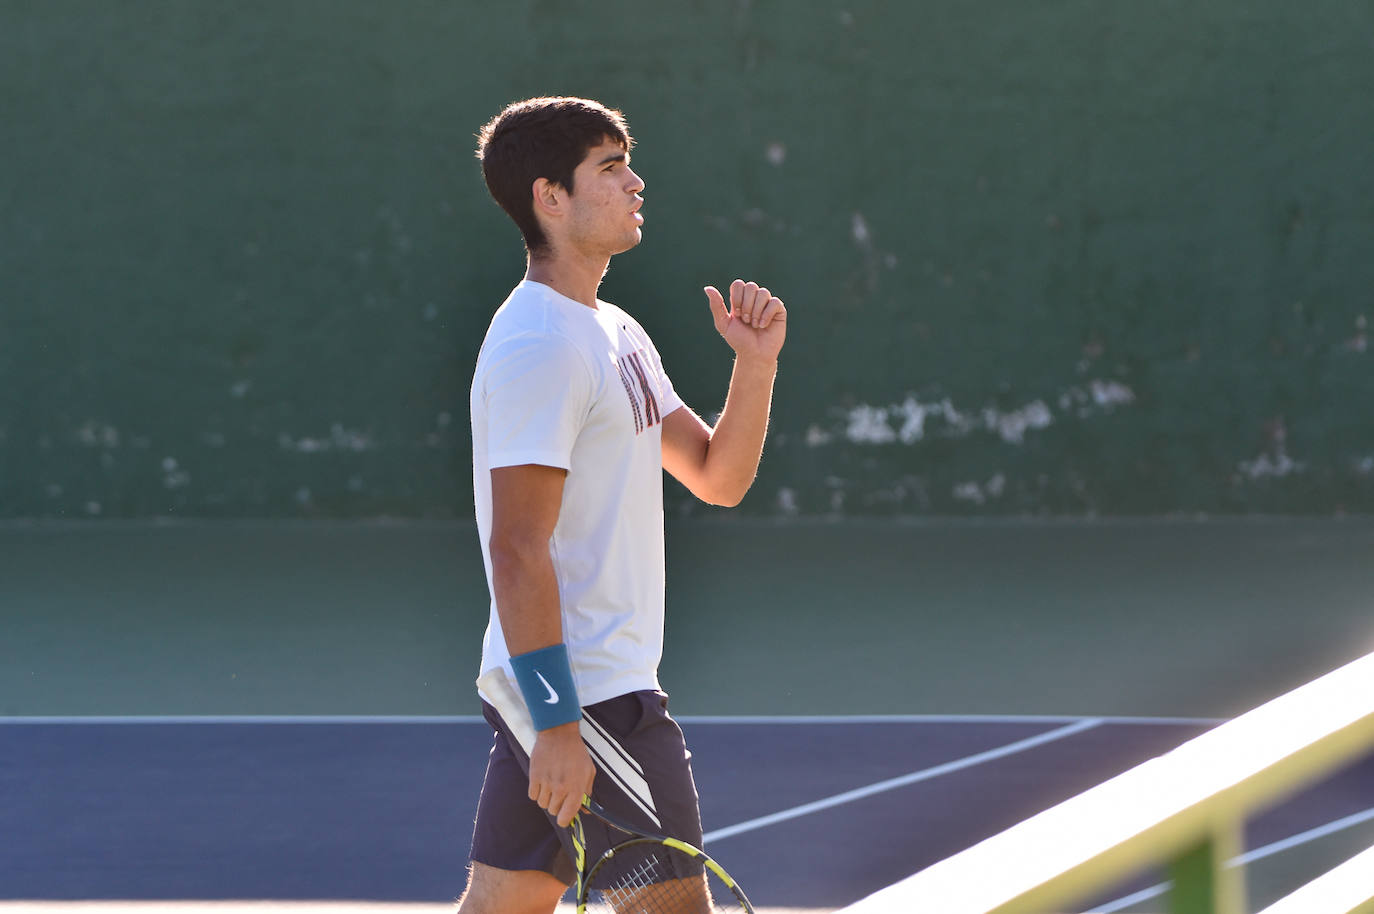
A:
1065	256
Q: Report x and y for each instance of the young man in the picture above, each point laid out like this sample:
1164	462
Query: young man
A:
573	422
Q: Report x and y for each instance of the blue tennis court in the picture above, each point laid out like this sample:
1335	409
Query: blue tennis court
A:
807	813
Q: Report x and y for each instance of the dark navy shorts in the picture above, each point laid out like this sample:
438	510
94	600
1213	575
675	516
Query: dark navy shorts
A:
643	775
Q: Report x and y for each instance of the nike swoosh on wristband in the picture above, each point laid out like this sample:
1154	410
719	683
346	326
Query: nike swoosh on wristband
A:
553	696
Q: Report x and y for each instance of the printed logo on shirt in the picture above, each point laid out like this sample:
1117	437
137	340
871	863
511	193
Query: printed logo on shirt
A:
643	400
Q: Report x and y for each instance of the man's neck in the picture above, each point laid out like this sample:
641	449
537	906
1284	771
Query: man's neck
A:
573	278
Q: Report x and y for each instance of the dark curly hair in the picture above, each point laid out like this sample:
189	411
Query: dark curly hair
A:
542	138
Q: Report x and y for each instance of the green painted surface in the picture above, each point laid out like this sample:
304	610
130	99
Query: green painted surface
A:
1076	257
1202	883
1129	618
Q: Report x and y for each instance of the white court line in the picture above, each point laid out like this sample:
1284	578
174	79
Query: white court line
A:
944	719
915	777
753	720
345	719
199	906
1259	853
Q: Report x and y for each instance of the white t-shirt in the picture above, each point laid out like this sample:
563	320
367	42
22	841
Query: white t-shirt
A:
563	385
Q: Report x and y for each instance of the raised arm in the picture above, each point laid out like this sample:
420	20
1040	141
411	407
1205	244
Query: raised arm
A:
525	502
718	464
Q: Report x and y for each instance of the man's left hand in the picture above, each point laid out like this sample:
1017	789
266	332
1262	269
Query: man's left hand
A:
755	324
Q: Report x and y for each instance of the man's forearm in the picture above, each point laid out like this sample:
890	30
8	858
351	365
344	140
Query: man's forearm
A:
527	601
736	445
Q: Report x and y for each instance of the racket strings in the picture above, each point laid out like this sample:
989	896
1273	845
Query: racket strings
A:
652	887
621	894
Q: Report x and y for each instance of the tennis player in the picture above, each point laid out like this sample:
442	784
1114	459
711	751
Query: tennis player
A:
573	421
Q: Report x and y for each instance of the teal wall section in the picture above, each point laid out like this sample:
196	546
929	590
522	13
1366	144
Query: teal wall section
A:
1057	257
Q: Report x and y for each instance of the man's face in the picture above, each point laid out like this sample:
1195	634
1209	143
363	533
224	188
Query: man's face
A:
604	217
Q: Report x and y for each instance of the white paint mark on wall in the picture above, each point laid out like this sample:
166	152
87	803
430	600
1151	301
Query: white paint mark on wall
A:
981	493
1271	466
969	491
787	500
916	413
913	420
1110	393
859	227
873	425
1012	427
93	433
775	153
1101	395
303	446
173	476
340	439
868	425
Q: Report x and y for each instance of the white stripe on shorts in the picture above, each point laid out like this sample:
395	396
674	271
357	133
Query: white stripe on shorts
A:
611	739
610	759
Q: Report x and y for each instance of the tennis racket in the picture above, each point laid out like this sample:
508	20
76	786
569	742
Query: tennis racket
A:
647	873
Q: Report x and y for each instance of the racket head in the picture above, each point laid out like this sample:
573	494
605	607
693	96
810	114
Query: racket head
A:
659	876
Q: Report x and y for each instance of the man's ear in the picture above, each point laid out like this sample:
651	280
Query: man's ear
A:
548	196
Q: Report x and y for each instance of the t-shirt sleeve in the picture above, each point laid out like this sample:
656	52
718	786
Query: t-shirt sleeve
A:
538	392
669	401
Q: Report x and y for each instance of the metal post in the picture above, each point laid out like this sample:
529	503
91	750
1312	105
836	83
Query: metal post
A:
1202	881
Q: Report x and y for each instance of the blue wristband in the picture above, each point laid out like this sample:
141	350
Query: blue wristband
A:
546	681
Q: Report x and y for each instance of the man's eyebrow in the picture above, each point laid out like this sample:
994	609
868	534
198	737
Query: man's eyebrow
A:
617	157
